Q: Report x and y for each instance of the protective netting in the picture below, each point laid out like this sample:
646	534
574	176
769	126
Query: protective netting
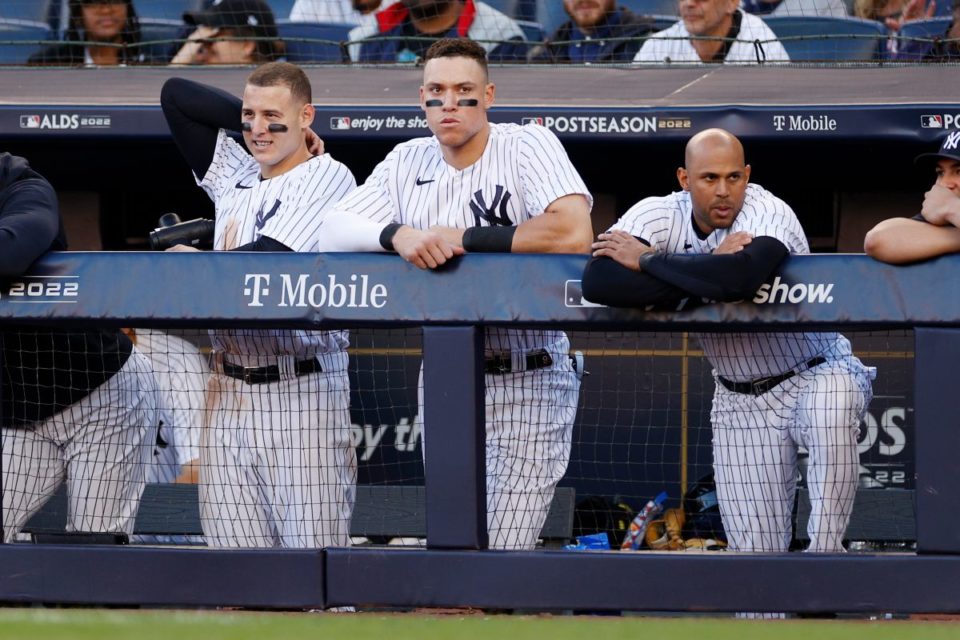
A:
180	445
158	32
645	429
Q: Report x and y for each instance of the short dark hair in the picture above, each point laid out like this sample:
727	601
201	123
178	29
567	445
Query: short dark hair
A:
265	50
457	48
283	74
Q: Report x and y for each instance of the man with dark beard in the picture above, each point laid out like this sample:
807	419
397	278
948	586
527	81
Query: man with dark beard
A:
403	32
597	31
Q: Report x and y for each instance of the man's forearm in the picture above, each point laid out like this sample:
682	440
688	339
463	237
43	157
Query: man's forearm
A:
564	227
903	240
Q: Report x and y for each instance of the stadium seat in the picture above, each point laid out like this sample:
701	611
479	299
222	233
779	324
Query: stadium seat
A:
532	31
298	37
933	28
944	8
516	9
30	10
847	39
281	8
503	6
651	7
661	22
158	30
165	9
23	38
910	46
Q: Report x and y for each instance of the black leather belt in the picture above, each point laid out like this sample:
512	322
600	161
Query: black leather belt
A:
261	375
762	385
502	363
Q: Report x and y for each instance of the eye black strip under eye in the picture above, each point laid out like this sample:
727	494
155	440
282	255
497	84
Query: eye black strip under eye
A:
463	102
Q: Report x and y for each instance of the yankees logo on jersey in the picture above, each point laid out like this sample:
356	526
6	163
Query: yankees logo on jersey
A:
288	208
482	212
667	224
263	217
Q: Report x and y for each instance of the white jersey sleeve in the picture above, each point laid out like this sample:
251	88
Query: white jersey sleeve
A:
320	188
376	198
764	214
355	223
655	220
546	170
230	161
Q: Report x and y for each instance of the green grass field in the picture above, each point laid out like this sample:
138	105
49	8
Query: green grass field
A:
82	624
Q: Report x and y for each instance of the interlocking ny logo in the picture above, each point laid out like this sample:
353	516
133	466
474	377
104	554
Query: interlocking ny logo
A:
482	212
262	218
952	141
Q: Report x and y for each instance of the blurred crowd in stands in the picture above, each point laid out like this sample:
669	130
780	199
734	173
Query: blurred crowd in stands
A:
127	32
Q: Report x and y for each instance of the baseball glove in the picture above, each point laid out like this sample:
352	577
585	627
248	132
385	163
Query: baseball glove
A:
665	534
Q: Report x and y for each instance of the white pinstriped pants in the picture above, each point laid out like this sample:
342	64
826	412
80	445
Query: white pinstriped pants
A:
755	442
529	427
101	445
276	465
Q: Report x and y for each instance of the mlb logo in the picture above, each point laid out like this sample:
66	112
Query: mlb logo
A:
538	121
340	124
931	122
29	122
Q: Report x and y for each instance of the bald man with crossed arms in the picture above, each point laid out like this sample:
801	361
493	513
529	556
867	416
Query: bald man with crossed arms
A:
719	239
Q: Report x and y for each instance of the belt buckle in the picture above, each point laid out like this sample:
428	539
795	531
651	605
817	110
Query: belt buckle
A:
759	386
248	373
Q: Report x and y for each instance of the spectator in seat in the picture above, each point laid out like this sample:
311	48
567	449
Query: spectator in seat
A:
936	229
399	31
894	14
335	11
221	32
596	32
828	8
714	31
946	48
99	33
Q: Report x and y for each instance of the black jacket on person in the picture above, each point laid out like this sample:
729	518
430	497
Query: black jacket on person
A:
44	370
71	55
631	25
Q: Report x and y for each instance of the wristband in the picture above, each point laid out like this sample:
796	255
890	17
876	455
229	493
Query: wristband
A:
489	239
386	236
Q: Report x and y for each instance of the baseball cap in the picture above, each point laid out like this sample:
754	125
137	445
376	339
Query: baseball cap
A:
236	14
949	149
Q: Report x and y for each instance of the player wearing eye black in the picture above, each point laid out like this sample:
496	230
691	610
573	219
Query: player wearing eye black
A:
276	465
473	187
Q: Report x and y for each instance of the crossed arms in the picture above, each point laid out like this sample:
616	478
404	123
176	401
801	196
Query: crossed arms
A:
626	272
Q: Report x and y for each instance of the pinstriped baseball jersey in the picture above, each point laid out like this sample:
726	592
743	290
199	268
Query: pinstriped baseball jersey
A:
288	208
523	170
667	224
